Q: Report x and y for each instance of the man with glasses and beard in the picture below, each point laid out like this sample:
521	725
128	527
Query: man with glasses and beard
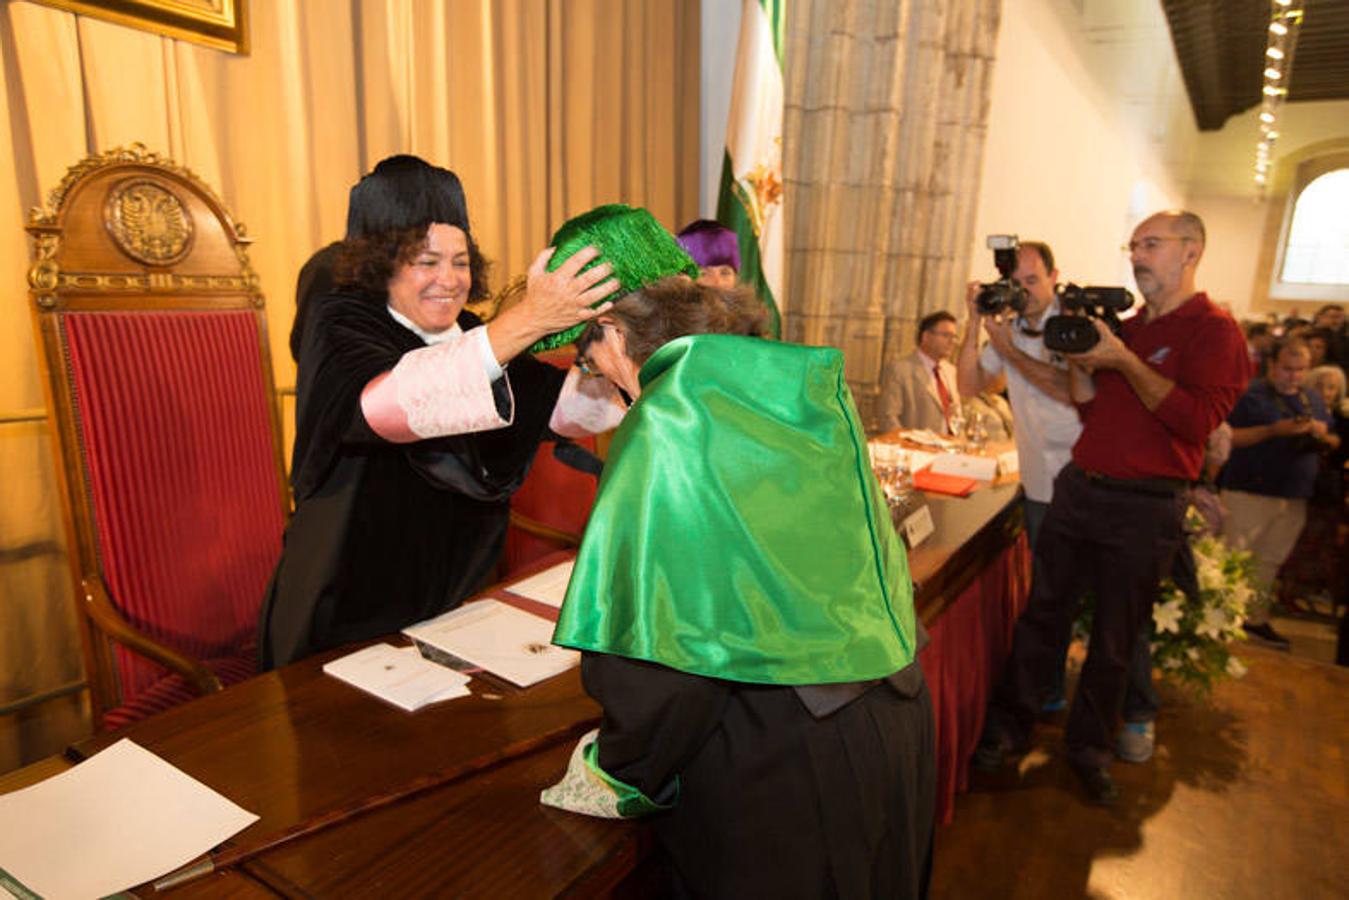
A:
1148	398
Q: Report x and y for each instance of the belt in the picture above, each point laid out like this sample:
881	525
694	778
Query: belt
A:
1153	487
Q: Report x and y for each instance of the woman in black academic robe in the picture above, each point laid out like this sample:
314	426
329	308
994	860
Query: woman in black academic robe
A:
389	528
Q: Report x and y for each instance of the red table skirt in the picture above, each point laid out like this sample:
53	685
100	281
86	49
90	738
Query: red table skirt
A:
969	642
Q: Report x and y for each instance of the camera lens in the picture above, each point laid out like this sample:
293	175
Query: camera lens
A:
999	295
1070	334
989	300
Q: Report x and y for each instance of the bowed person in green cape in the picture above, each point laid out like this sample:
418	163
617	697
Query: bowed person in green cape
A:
743	604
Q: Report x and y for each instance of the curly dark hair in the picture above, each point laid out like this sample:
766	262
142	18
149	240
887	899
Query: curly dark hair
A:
675	306
368	262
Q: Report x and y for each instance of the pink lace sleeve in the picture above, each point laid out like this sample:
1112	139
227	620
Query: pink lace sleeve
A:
586	406
432	392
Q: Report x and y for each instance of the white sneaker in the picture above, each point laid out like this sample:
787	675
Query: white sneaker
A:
1135	742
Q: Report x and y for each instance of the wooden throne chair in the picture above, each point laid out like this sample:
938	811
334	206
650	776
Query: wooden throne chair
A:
153	341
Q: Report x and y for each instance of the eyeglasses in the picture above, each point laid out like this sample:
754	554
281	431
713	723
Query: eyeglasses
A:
1149	244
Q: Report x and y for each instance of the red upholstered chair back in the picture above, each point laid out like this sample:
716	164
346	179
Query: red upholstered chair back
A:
154	342
554	496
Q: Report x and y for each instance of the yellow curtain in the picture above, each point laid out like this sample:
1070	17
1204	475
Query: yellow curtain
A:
543	107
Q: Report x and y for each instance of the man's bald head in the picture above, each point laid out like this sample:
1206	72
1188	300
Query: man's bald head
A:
1165	250
1182	223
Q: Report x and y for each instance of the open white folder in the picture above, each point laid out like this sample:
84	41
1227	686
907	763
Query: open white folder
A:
398	675
548	586
505	641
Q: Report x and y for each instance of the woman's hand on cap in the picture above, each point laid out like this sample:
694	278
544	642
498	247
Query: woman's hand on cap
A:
563	297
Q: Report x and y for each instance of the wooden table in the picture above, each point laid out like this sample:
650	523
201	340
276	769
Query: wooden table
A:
970	532
444	800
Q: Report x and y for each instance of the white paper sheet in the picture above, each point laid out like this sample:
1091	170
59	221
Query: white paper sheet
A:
118	819
920	459
980	468
548	586
503	640
399	676
927	438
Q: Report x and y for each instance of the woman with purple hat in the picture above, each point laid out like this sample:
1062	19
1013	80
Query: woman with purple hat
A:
716	250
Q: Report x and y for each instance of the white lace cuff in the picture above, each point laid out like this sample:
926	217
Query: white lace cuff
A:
433	392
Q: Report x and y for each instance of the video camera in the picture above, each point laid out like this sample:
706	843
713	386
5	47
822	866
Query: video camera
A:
1076	334
1006	292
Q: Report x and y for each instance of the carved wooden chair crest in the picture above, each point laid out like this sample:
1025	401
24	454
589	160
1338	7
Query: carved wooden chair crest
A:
153	340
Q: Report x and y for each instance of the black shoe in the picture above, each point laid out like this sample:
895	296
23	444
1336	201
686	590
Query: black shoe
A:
991	753
1100	787
1265	634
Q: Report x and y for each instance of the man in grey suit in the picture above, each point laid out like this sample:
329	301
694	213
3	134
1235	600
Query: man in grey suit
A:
919	390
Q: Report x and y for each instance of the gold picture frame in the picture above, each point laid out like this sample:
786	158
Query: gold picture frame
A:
222	24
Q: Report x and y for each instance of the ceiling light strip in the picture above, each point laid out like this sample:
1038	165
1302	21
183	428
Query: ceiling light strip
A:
1285	21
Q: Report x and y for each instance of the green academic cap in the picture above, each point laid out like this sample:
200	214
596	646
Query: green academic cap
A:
630	239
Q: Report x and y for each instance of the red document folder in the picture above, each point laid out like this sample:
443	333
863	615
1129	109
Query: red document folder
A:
927	480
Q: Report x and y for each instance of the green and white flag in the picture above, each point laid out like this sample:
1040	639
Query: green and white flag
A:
751	175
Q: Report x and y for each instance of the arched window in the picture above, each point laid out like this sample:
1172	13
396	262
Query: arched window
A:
1307	231
1317	249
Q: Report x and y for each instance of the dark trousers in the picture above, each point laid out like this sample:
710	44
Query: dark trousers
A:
1140	696
1118	544
1035	517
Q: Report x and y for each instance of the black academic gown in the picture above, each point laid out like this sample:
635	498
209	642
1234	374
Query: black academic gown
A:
823	792
384	534
315	282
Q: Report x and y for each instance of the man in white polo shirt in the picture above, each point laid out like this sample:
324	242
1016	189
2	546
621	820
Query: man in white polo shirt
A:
1046	426
1045	422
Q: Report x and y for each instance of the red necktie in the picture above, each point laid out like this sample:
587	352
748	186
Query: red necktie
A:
944	395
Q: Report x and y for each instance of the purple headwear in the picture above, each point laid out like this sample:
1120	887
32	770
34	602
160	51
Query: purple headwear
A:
710	244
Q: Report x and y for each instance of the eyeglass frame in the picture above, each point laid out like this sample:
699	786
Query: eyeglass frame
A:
1150	243
583	362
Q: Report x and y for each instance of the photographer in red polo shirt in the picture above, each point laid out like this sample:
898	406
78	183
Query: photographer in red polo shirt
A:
1148	398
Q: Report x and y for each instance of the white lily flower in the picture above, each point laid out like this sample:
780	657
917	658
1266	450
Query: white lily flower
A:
1210	574
1215	622
1166	616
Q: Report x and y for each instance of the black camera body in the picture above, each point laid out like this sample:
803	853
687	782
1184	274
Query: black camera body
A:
1006	292
1066	333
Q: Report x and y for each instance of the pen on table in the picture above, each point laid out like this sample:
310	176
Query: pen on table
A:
189	872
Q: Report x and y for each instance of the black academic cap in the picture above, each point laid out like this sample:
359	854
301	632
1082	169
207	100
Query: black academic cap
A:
405	192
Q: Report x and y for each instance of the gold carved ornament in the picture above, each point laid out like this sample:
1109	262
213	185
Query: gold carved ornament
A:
148	222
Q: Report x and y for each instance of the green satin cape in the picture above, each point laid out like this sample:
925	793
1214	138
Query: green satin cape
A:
738	532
